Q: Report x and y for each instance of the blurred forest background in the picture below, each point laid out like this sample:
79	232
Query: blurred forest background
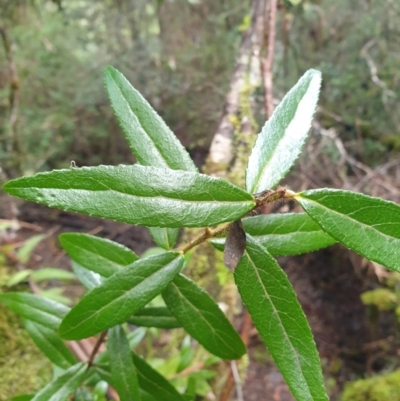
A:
182	55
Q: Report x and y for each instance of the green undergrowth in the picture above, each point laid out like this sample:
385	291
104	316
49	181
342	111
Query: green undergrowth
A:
378	388
18	354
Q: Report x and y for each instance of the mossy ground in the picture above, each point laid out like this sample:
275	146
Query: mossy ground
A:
23	368
378	388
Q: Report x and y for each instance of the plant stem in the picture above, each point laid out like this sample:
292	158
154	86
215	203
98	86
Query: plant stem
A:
96	348
207	234
262	198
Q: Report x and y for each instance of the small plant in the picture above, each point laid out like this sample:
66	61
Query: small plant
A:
165	192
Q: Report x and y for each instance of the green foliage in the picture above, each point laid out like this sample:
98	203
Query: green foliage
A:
284	234
352	219
159	193
383	298
272	303
280	141
379	388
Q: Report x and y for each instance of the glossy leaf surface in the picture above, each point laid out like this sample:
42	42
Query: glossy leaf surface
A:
38	309
48	341
150	139
62	387
201	317
280	321
120	296
153	383
138	195
159	317
123	370
279	143
284	234
100	255
369	226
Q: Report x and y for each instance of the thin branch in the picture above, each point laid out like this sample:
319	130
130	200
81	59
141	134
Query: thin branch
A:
373	70
96	348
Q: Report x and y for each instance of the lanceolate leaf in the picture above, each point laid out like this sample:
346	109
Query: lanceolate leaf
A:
48	341
282	137
138	195
120	296
97	254
123	371
153	383
150	139
38	309
201	317
62	387
164	237
280	321
159	317
369	226
284	234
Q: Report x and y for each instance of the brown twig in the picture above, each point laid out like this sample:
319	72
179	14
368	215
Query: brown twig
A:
96	348
207	234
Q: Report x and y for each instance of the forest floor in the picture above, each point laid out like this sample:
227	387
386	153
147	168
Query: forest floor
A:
328	284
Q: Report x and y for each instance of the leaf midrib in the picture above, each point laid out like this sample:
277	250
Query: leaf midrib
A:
278	144
121	296
146	197
140	124
280	322
372	228
193	307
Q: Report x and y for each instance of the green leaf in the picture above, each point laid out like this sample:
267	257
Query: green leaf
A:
19	277
120	296
100	255
24	253
25	397
88	278
284	234
280	321
369	226
153	383
62	387
50	344
138	195
123	370
164	237
201	317
279	144
51	273
159	317
38	309
150	139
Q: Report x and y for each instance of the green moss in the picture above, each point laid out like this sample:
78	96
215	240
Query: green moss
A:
383	298
23	369
378	388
